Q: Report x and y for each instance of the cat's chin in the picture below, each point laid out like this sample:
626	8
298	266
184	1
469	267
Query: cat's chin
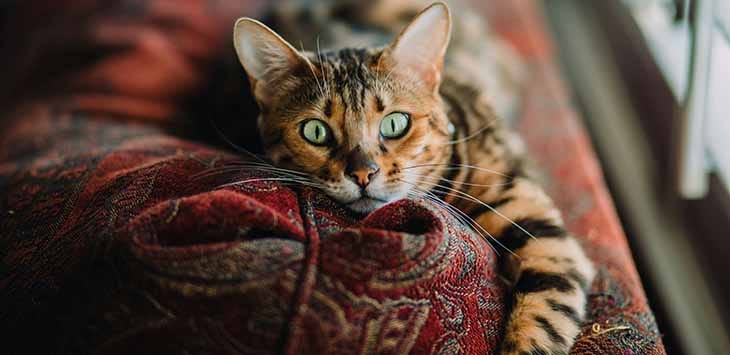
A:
365	205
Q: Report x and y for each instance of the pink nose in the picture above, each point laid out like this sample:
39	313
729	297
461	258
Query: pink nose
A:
360	167
363	177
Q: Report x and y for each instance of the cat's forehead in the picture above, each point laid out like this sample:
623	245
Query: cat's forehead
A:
348	57
346	82
349	76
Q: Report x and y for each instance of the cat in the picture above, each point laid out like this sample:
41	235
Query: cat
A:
402	117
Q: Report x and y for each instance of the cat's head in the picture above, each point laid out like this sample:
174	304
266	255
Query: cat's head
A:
358	121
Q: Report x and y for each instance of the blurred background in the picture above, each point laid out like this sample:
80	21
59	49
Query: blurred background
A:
652	79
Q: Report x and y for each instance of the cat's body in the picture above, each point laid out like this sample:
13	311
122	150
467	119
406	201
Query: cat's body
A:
374	124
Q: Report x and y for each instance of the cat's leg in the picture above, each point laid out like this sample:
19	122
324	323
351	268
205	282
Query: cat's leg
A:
551	272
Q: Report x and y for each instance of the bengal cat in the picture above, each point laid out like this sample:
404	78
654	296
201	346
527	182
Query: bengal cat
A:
401	117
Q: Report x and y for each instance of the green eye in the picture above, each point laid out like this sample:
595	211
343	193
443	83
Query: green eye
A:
395	125
316	132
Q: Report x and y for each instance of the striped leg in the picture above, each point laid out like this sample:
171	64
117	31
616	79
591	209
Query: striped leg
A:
551	272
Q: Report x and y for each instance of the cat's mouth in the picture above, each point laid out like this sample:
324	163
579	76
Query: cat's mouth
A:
366	204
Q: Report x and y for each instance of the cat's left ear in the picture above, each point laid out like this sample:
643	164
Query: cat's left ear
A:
420	48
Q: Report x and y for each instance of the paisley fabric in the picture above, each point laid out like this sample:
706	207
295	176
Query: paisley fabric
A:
116	237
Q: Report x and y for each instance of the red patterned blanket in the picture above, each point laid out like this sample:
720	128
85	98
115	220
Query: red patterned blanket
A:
115	237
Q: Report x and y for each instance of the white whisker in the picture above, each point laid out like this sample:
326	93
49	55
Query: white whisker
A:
478	201
472	135
456	167
314	75
450	210
437	178
324	69
235	183
267	166
252	166
465	219
235	146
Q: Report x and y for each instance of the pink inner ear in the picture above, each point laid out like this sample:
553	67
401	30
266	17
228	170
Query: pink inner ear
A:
264	54
421	47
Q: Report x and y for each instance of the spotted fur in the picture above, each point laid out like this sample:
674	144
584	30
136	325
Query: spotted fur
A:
455	148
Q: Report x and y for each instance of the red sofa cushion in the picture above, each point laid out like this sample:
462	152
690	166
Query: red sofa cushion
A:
117	237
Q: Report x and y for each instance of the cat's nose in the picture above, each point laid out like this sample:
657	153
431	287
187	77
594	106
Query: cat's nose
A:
360	167
363	177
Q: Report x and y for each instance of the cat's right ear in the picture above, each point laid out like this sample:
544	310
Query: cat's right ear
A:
266	57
